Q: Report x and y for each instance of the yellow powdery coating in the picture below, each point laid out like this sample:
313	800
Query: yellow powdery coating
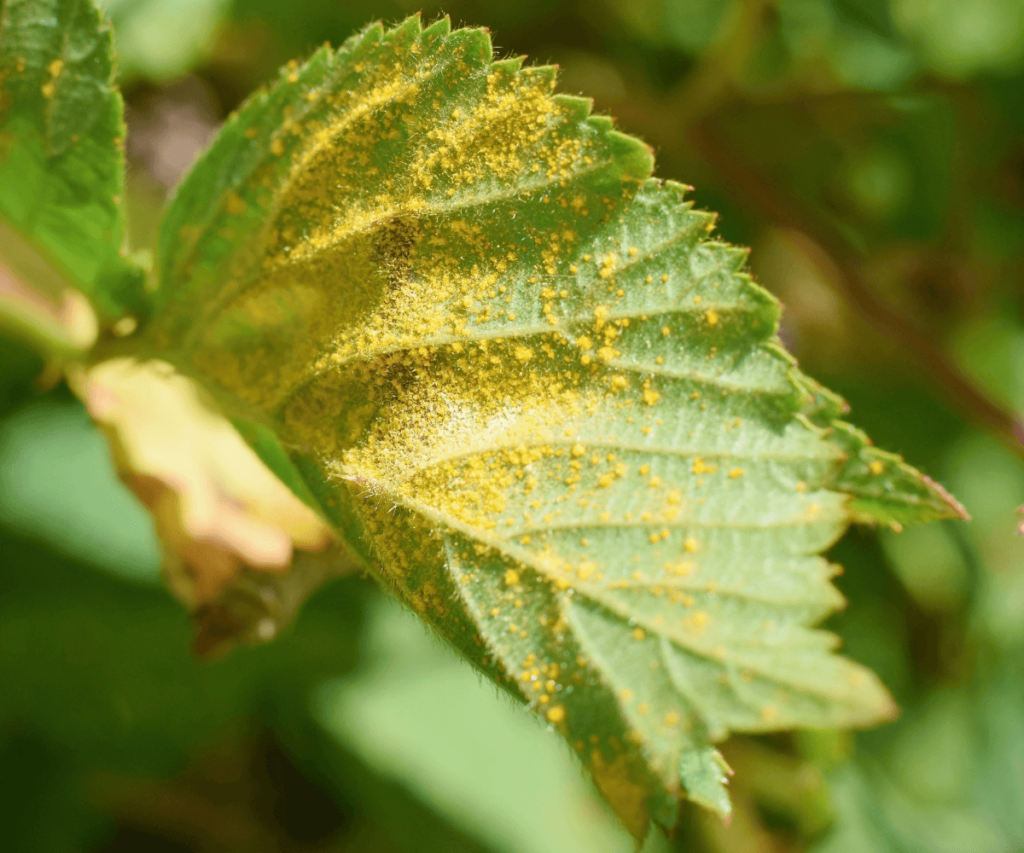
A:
498	136
437	306
393	261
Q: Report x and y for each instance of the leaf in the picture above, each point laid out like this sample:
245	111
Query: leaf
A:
62	148
454	313
240	551
705	774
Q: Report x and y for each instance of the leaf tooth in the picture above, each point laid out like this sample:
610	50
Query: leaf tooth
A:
705	774
439	29
679	187
405	33
634	158
728	257
576	109
885	489
372	33
546	74
474	46
414	22
512	65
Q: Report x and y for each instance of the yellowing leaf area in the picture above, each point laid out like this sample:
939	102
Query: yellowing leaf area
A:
530	391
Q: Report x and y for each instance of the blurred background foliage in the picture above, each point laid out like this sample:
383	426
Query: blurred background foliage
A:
872	154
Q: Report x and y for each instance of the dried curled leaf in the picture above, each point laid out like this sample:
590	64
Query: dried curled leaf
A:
454	313
240	550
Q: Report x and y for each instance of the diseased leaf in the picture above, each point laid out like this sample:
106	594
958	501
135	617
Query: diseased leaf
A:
62	148
525	385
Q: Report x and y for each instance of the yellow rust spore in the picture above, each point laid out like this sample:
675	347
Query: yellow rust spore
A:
556	714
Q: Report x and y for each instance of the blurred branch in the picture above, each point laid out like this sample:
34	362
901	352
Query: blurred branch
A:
710	83
842	266
663	117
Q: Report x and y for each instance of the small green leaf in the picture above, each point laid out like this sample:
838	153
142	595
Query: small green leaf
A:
455	314
62	147
705	775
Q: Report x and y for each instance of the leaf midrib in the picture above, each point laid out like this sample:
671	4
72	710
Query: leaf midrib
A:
521	332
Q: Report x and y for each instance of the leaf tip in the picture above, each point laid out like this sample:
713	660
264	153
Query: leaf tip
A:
874	704
705	776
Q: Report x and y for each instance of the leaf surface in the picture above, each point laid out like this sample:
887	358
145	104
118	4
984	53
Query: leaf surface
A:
523	382
62	147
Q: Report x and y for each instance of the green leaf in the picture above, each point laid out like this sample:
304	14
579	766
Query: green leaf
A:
62	147
705	775
527	387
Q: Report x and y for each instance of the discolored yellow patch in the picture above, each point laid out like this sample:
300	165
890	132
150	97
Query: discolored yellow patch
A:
618	785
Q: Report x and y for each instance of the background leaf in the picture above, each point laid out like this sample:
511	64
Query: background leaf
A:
62	149
527	388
